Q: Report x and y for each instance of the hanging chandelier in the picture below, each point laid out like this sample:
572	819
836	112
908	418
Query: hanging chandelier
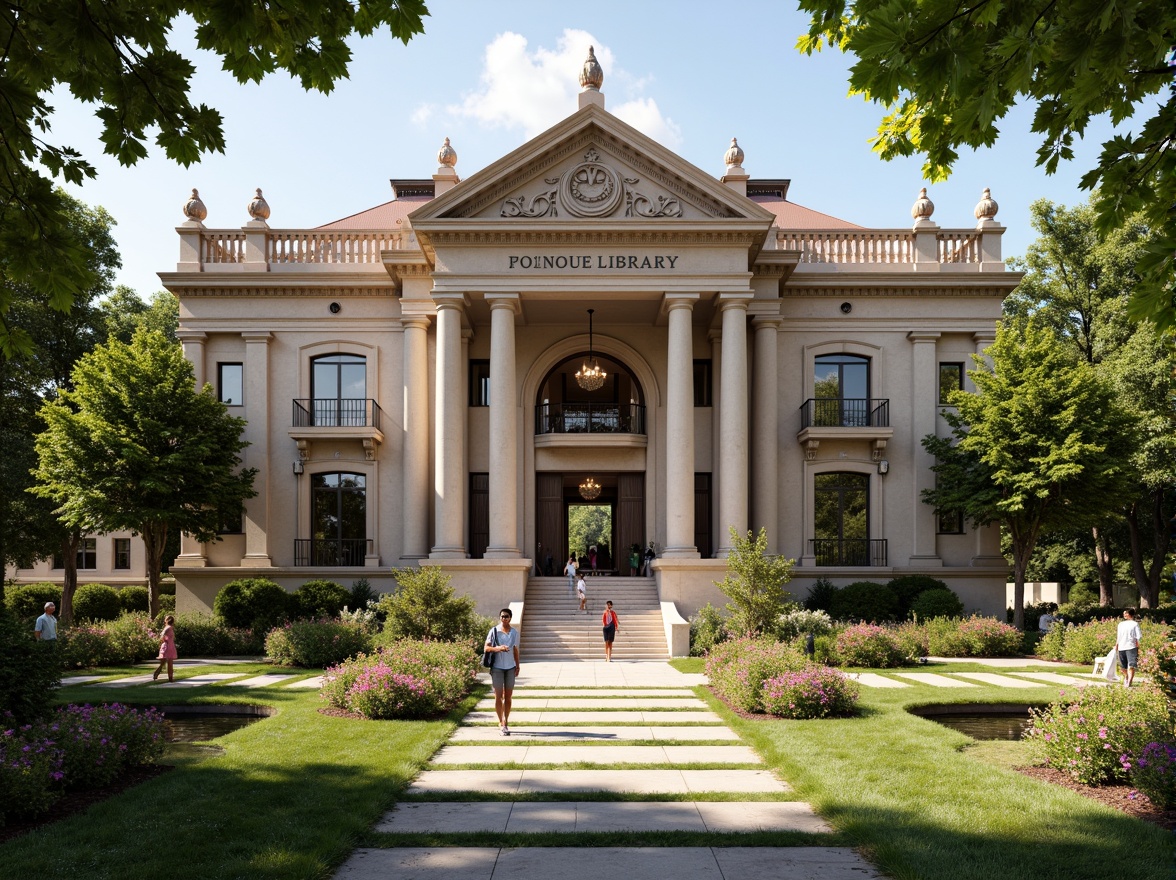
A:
590	490
590	377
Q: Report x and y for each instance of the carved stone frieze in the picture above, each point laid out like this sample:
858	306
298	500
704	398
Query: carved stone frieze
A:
593	238
390	292
883	290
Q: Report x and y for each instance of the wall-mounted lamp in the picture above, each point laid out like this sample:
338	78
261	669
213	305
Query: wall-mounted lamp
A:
883	467
298	467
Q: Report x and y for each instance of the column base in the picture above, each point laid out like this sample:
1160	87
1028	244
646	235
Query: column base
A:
192	561
926	562
989	561
502	553
257	561
681	553
447	553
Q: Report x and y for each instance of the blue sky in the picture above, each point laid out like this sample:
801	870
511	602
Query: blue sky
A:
491	75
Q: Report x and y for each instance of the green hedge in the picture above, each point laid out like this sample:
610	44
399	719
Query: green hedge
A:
96	602
29	671
866	601
27	602
316	644
137	599
254	603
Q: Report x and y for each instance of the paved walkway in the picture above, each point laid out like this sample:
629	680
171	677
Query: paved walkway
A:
588	727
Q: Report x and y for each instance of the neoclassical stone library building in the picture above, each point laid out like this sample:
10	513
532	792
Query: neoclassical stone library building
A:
590	319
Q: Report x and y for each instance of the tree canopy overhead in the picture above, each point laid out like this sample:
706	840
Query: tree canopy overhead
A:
116	55
948	71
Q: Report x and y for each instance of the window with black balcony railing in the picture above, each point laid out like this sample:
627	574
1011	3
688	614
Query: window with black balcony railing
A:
849	551
334	412
590	418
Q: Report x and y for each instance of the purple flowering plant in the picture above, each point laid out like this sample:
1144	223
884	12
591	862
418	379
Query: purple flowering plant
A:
1153	771
812	692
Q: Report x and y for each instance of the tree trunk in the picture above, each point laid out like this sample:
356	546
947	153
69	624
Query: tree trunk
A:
1149	591
154	539
1105	566
1020	564
69	581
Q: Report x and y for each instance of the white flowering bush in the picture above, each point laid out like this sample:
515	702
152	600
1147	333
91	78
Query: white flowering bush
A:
801	621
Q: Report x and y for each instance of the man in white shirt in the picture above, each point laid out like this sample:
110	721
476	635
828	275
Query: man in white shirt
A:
45	629
1127	644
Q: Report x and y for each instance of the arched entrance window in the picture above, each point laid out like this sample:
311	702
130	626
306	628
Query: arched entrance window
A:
338	386
338	519
563	407
841	527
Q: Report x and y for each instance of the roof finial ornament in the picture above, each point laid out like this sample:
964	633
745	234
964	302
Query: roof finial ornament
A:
734	155
923	208
194	208
591	76
986	208
259	208
447	156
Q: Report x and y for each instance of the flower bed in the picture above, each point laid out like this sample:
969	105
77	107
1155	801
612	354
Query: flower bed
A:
813	692
314	644
871	645
737	669
1083	642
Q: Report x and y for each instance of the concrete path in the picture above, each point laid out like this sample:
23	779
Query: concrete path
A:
569	714
935	680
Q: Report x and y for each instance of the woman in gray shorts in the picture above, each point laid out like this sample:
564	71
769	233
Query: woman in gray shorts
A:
503	643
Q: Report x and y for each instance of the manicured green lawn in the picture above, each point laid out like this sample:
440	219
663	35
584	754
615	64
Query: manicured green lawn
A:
925	802
287	798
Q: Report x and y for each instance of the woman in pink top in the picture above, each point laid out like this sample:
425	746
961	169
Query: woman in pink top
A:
610	623
167	649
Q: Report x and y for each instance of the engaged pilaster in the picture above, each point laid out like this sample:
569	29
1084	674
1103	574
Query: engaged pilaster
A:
924	410
733	447
765	447
449	439
504	540
257	452
416	436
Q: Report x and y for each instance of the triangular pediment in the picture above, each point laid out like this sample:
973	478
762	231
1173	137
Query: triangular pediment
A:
591	168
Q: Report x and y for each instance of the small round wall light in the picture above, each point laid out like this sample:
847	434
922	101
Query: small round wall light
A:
335	308
846	308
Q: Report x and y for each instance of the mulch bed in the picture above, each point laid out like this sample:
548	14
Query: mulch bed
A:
80	801
1117	797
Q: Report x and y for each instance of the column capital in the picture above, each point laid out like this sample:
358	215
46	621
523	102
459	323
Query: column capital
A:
415	321
673	301
917	336
197	336
766	321
984	338
459	301
256	336
509	301
735	300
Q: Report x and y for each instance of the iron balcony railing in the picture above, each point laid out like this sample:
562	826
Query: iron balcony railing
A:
331	551
849	551
845	412
332	412
594	418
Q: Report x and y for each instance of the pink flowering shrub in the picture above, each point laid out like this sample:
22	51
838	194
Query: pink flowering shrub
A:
314	644
1153	772
813	692
380	693
989	637
1095	638
738	668
1157	664
132	638
1088	735
445	670
871	645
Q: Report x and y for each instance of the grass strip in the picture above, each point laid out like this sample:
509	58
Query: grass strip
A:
388	840
907	791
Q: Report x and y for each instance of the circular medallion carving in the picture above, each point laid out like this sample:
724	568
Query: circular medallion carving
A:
591	189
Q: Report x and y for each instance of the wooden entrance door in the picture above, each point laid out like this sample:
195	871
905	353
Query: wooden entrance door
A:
551	531
630	520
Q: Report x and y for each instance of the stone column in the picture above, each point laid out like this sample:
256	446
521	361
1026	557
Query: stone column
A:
257	402
924	412
449	441
680	428
416	436
733	447
504	533
765	445
193	554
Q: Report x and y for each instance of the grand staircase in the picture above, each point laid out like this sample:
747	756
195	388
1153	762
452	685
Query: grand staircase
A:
553	629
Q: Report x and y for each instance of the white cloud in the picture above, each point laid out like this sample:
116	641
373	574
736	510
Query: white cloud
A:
534	89
422	114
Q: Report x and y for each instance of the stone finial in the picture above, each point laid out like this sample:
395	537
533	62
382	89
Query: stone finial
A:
194	208
986	208
447	156
734	155
591	76
923	207
259	208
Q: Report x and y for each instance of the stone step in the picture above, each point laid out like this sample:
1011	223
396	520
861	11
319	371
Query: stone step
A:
616	781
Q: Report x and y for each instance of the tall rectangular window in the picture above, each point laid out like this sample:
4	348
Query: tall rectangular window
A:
479	383
702	383
951	523
88	554
230	384
122	554
951	379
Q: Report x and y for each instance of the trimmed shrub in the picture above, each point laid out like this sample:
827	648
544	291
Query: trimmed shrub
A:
252	603
449	669
936	603
820	595
1087	737
379	693
1052	645
869	645
136	599
800	622
199	635
988	637
96	602
737	669
1153	771
29	671
315	644
28	602
85	646
361	594
167	604
425	607
813	692
910	586
707	628
317	599
865	601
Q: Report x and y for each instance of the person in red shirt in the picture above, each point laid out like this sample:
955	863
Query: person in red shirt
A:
610	623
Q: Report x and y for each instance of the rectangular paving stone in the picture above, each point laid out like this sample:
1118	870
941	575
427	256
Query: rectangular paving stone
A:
198	680
316	681
126	682
533	754
589	691
1053	678
733	781
536	818
935	680
79	679
444	818
619	816
874	680
795	863
420	863
711	755
498	781
260	680
550	716
622	703
600	734
993	678
733	816
628	781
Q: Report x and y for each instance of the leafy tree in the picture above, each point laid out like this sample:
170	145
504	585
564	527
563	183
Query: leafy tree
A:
588	524
118	56
425	607
1037	449
948	72
126	312
134	445
754	584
